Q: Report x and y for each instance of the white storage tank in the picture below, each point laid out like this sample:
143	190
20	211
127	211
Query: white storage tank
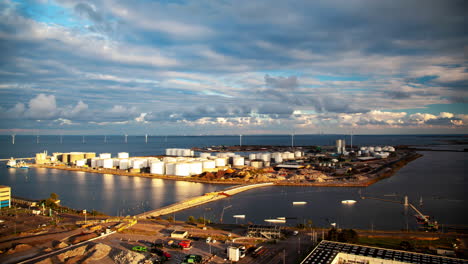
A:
391	149
105	155
297	154
186	153
256	163
137	164
266	163
170	168
182	169
209	164
285	155
265	157
205	155
80	163
122	155
123	164
252	156
377	149
107	163
278	158
157	168
291	155
100	163
196	167
238	161
169	159
115	162
220	162
93	163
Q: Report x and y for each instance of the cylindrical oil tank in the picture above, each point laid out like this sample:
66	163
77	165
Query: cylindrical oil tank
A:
74	156
144	163
278	158
170	168
256	163
265	157
169	159
105	155
377	149
196	167
107	163
65	157
371	149
93	163
123	164
220	162
81	162
182	169
297	154
209	164
221	155
137	164
115	162
186	152
266	163
205	155
359	153
100	162
122	155
252	156
285	155
238	161
291	156
168	152
157	168
391	149
90	155
247	162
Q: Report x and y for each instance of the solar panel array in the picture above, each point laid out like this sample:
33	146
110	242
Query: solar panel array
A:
326	251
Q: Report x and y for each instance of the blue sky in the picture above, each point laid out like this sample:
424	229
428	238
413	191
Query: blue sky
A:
243	67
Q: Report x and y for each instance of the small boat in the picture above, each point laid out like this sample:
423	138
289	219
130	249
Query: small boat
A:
348	202
238	216
299	203
276	221
281	218
11	163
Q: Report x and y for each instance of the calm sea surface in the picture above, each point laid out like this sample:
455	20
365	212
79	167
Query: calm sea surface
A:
437	177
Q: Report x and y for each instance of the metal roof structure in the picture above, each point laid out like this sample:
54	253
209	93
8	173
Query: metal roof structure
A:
326	251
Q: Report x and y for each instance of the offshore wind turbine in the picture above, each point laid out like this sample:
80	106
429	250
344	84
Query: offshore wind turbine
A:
13	139
126	138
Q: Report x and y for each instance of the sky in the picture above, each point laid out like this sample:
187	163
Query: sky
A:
211	67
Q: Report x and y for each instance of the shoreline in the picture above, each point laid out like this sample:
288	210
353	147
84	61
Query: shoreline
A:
384	172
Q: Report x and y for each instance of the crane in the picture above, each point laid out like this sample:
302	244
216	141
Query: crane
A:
222	213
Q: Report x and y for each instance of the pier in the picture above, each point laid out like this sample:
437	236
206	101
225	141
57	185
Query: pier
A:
199	200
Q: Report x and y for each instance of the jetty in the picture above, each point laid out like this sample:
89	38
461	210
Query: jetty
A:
199	200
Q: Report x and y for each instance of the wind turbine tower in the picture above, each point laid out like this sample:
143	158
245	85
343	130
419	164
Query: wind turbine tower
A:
13	139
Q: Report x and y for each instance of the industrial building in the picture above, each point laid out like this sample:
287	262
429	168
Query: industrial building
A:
5	196
330	252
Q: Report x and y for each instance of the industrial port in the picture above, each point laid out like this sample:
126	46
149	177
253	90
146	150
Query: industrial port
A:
338	165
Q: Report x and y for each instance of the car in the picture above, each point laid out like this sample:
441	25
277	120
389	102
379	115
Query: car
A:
139	249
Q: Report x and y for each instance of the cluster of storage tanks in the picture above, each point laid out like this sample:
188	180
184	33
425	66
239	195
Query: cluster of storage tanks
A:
376	151
179	162
178	152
